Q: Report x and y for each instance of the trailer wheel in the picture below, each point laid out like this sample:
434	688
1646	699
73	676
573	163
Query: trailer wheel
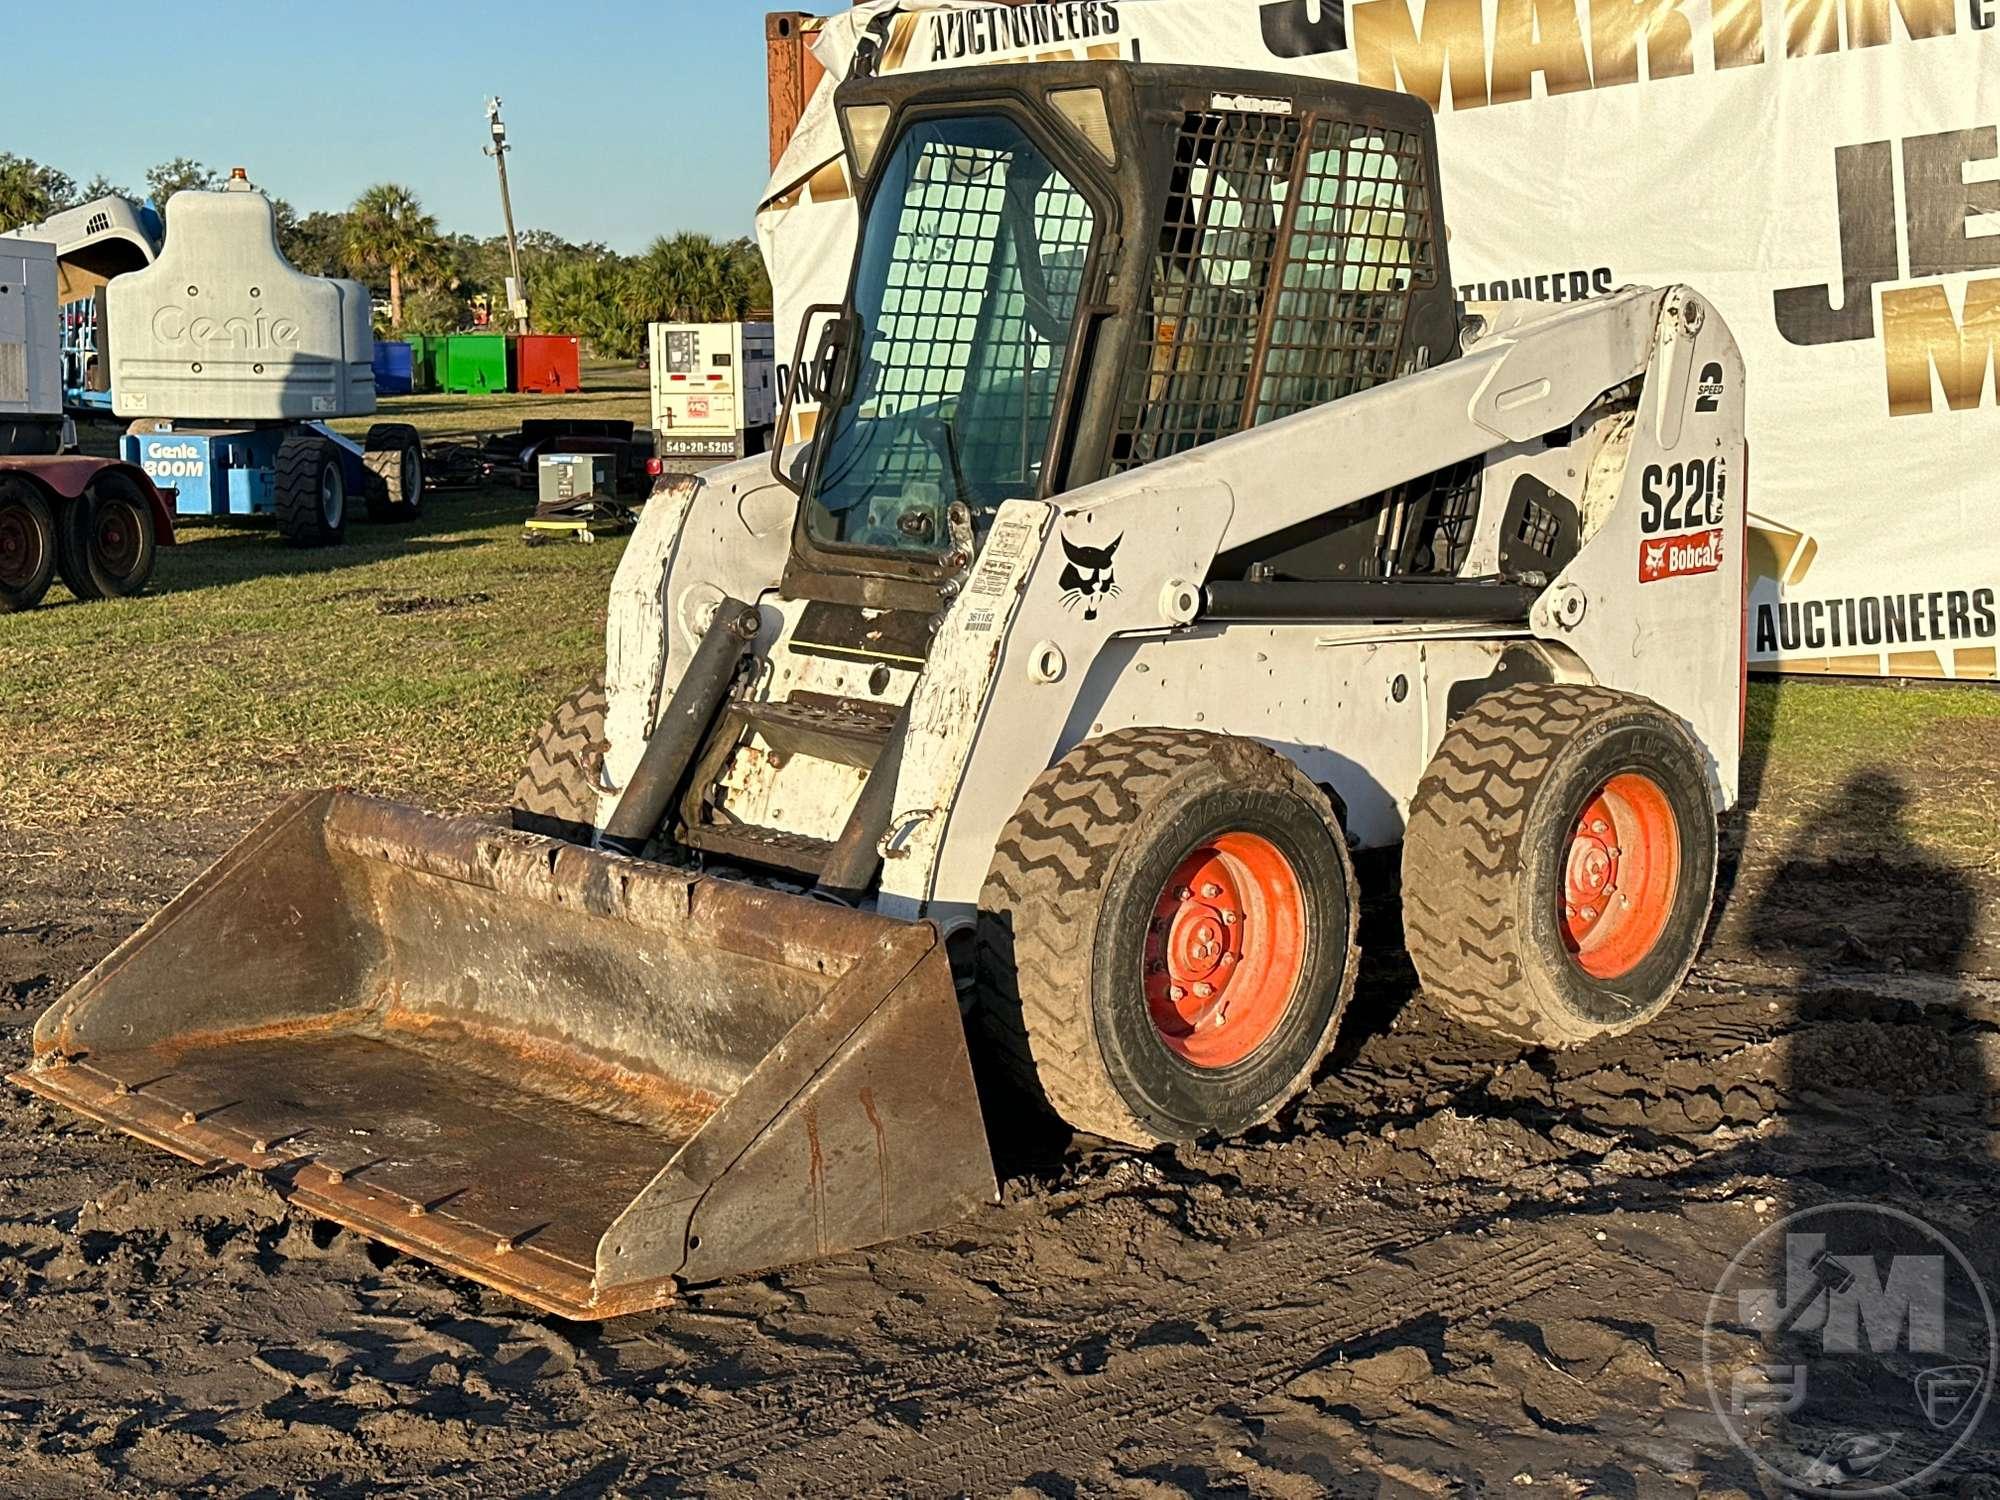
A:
27	545
1559	865
557	793
107	540
1167	936
311	498
395	458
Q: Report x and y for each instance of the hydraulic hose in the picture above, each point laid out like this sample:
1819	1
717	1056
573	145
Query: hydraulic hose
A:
677	737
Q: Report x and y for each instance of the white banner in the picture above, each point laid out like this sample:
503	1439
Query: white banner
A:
1826	171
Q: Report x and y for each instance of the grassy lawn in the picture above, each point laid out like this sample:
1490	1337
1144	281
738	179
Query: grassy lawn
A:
413	661
1891	764
610	390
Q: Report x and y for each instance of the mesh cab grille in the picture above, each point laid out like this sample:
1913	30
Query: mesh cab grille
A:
1290	254
979	286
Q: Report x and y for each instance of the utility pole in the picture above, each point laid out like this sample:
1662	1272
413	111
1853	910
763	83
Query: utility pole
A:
517	291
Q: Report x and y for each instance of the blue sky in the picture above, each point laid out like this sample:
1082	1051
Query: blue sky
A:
628	119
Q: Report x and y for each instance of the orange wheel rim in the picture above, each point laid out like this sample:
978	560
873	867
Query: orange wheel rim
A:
1225	950
1620	876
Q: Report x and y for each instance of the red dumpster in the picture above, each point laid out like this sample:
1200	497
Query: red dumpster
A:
547	363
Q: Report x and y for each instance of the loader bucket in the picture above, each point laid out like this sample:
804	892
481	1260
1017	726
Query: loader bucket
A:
579	1078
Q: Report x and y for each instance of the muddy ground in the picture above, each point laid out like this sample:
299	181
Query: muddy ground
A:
1450	1270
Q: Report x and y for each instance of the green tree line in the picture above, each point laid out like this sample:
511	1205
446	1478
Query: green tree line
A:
430	279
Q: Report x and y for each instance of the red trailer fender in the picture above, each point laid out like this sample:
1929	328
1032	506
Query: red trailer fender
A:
68	478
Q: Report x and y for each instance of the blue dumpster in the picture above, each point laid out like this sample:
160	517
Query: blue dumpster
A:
394	368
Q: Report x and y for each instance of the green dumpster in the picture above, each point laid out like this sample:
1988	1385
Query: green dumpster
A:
426	355
476	364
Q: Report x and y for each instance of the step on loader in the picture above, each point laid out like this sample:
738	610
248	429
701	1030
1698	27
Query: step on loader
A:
1168	533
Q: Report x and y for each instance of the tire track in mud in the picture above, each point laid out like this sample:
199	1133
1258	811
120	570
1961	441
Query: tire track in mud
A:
773	1432
827	1403
963	1443
982	1450
1262	1321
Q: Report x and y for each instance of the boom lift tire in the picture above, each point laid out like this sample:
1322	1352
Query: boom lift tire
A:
107	541
1559	864
28	545
394	454
311	498
556	796
1167	936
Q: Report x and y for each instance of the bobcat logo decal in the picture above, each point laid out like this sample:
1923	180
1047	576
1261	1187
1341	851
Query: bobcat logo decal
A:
1088	579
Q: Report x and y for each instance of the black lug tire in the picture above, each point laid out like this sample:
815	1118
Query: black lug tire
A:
85	568
302	458
557	793
1483	861
390	498
31	526
1063	920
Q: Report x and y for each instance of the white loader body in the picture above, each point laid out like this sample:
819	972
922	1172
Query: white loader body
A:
1016	677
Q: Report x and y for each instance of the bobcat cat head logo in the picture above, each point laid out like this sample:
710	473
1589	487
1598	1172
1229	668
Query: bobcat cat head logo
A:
1088	579
1656	556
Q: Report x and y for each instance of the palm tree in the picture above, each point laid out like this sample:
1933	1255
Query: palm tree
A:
388	230
30	192
755	278
689	279
597	299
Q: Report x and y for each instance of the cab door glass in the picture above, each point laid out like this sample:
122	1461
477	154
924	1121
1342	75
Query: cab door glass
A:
971	269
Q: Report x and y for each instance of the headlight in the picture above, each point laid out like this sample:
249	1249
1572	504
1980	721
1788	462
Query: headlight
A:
867	125
1090	117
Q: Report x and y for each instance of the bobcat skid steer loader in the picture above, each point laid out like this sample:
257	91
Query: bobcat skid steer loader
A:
1167	533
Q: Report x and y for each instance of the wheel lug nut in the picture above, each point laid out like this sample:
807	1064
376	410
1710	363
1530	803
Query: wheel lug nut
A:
1182	893
1204	991
1590	914
1211	891
1177	992
1598	825
1229	919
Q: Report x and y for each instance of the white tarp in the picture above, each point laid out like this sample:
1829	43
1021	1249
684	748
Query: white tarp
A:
1826	171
